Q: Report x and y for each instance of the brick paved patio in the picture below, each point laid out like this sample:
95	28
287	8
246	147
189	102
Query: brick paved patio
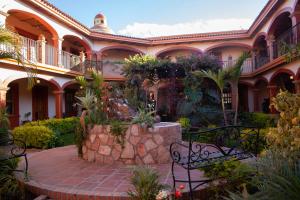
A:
60	174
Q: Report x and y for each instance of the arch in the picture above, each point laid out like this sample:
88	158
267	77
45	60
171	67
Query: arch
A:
246	83
39	19
54	84
65	85
82	41
298	74
174	48
257	36
123	47
262	79
280	71
228	44
277	15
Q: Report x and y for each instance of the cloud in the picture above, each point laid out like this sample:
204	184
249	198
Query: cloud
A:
198	26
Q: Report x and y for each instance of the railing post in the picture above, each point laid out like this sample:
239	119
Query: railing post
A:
59	51
82	60
42	49
270	43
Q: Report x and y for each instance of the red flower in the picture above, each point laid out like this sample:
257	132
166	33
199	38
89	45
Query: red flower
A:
178	194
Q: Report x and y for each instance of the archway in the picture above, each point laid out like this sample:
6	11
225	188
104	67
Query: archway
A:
228	53
37	36
178	51
70	106
36	104
278	32
112	58
283	80
260	49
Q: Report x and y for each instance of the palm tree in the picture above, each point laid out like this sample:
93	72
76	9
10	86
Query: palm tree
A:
219	78
12	50
234	73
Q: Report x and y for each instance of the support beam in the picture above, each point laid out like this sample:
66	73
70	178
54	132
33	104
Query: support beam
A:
58	103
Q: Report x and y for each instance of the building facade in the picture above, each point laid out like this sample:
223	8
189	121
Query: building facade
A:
60	48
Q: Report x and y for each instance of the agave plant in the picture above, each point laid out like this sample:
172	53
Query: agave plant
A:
144	118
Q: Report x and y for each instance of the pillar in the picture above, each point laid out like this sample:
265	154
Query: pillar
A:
297	86
255	100
58	45
82	60
270	43
42	49
272	93
58	103
3	91
3	16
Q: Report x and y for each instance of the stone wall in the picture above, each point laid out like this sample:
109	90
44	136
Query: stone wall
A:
141	146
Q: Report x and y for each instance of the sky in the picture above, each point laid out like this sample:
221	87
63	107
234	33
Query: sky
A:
149	18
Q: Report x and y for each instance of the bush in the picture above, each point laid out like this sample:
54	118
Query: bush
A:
260	120
59	126
35	136
146	184
185	122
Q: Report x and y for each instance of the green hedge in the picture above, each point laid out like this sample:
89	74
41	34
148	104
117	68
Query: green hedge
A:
35	136
260	120
59	126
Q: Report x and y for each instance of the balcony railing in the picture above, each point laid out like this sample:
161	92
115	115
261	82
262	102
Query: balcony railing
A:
247	66
288	39
37	52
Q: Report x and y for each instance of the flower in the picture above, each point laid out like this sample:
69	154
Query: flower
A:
181	187
162	195
178	194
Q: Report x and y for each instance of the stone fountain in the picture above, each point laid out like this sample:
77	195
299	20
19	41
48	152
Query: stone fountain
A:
141	146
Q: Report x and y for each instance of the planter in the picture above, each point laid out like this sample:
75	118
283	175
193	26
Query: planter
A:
141	146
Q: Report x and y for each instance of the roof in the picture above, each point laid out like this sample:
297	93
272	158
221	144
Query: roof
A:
235	34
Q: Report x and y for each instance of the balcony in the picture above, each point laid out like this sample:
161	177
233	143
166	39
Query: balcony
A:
39	53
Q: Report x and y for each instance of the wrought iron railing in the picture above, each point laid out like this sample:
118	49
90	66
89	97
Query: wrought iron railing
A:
247	65
69	60
288	39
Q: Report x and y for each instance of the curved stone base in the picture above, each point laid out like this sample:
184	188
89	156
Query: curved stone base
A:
141	146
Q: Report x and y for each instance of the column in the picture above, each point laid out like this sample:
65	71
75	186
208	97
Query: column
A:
82	60
255	100
58	45
58	103
42	49
272	93
3	16
3	91
270	43
295	20
253	57
297	86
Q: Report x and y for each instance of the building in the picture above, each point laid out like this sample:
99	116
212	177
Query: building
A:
62	48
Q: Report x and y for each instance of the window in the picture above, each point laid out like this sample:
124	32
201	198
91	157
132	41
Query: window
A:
227	97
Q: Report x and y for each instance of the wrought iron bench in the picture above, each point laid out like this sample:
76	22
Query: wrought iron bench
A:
12	149
205	148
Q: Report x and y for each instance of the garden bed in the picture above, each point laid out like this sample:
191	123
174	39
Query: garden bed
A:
141	146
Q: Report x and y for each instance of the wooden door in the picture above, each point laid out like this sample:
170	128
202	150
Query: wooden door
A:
39	103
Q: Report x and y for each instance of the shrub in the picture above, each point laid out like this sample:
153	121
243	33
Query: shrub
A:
146	184
260	120
59	126
185	122
35	136
118	129
144	118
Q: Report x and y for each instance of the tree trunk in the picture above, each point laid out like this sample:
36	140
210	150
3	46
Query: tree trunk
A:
236	105
223	108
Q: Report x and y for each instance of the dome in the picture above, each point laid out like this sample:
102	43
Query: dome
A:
100	24
99	15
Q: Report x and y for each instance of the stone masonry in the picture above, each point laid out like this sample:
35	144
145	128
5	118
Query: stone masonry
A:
141	147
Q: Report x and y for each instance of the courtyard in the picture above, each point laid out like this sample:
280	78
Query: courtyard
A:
89	113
